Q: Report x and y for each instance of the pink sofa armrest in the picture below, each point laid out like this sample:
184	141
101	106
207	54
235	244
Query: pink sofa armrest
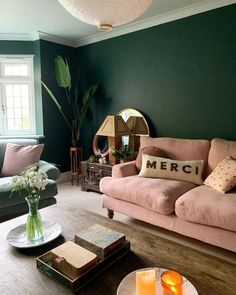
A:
124	169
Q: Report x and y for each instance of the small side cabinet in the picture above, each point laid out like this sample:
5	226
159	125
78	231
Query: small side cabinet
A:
92	173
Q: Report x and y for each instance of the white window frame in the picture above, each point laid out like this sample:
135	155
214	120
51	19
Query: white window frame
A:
14	59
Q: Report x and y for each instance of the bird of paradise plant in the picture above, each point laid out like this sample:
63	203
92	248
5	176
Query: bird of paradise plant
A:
78	109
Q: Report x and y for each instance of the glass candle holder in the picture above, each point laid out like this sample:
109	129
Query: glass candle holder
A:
172	283
146	282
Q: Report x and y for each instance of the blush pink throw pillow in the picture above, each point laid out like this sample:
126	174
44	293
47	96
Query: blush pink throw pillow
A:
17	157
150	151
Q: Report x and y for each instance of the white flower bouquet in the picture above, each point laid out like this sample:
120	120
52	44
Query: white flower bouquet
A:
31	180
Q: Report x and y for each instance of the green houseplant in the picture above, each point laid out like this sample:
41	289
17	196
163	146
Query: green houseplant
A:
78	103
123	154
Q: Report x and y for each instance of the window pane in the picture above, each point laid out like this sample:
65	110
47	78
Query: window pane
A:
9	90
16	70
10	113
10	124
24	70
25	102
10	102
18	113
17	106
18	124
16	90
7	70
24	90
25	119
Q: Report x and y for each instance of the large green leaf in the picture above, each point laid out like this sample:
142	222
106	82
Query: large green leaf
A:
86	99
51	95
56	103
62	72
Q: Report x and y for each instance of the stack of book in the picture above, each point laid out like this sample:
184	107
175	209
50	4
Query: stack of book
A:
90	247
100	240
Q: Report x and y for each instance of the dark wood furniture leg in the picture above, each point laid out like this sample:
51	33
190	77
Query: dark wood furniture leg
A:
110	213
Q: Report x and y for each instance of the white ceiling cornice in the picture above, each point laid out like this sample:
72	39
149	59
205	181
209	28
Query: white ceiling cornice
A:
156	20
56	39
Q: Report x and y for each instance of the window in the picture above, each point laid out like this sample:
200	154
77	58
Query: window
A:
17	113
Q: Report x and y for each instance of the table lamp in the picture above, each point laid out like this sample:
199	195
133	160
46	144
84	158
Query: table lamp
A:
113	127
137	126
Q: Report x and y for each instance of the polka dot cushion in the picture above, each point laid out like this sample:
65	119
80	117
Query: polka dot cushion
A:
223	177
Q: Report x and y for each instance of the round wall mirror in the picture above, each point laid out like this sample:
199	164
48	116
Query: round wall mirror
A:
136	123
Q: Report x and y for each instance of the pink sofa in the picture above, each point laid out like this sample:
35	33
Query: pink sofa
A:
199	212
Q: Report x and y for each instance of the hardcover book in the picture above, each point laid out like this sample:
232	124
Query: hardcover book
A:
72	259
100	240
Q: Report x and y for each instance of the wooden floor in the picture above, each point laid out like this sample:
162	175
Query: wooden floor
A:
18	274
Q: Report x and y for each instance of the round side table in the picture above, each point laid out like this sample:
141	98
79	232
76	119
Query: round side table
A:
128	284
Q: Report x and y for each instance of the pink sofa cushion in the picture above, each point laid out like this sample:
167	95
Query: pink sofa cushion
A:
151	151
207	206
223	177
124	169
156	194
17	157
180	149
219	150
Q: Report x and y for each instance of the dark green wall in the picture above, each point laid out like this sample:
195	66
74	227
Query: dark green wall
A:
16	47
181	75
57	133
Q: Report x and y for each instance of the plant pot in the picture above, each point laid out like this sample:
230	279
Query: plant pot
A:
74	142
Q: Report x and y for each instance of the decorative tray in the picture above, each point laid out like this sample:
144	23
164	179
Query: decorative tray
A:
17	237
44	264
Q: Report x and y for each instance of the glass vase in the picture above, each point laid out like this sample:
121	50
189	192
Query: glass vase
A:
34	222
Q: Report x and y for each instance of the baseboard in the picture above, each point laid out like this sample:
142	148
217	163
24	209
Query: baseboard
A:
65	176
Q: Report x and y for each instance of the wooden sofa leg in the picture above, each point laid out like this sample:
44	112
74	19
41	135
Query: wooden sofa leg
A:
110	213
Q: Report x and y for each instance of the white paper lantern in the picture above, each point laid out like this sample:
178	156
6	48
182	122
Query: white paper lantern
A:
106	14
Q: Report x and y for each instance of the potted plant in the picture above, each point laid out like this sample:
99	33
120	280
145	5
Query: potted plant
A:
124	154
78	103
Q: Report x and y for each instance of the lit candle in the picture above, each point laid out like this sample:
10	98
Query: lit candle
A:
171	283
146	282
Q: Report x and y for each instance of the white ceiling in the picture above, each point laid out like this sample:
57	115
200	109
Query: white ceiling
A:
23	19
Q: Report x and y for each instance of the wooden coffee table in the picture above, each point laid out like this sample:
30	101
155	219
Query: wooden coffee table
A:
19	275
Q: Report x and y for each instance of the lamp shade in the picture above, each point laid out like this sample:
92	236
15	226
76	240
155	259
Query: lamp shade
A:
113	126
106	14
137	125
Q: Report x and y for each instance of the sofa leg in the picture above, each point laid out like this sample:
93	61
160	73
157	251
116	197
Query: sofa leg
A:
110	213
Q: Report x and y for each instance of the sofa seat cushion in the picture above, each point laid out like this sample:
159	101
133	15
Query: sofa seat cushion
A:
207	206
17	198
158	195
